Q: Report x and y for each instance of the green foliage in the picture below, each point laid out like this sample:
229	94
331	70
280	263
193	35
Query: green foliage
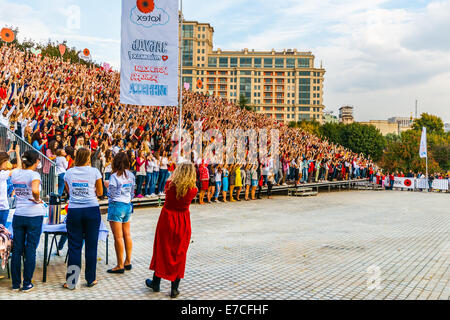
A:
356	137
402	152
243	103
312	127
434	124
50	49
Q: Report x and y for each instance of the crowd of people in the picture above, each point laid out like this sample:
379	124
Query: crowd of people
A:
59	107
102	149
386	179
84	184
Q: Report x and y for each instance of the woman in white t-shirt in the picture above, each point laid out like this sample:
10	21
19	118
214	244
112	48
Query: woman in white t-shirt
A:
163	173
61	167
120	193
84	185
5	174
27	221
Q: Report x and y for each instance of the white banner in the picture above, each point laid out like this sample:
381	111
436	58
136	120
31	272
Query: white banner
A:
406	183
438	184
423	144
149	55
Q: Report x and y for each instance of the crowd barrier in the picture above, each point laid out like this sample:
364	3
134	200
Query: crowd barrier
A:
420	184
48	170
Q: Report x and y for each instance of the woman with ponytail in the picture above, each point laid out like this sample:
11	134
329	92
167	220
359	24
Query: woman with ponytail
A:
27	221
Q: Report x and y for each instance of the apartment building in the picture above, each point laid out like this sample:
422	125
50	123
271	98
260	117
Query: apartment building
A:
283	85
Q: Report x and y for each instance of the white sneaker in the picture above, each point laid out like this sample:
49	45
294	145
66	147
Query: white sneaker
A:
153	195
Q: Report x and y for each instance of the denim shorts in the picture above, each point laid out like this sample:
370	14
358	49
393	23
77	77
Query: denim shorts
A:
119	212
254	183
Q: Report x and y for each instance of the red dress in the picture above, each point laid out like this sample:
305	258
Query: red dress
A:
173	236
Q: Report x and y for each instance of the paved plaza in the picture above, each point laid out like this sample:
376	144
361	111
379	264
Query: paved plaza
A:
339	245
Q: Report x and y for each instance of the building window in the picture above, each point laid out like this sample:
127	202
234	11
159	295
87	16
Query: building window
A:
303	63
245	62
268	63
188	31
290	63
223	62
212	62
257	62
279	63
188	52
304	73
233	62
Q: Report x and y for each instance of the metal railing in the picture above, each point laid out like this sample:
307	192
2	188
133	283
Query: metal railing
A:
48	170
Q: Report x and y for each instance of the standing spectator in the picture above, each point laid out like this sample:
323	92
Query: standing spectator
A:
173	232
120	193
27	221
84	185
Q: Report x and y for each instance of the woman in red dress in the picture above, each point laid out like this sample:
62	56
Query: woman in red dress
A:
173	232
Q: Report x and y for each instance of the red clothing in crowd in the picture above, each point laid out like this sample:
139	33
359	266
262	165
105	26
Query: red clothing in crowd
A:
173	235
3	93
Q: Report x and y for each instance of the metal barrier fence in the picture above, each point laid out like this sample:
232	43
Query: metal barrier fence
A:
48	170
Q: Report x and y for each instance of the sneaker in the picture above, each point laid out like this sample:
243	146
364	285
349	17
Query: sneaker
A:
140	196
28	288
15	289
153	195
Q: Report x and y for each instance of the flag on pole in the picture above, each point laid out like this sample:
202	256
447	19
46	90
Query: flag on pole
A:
83	57
149	55
423	144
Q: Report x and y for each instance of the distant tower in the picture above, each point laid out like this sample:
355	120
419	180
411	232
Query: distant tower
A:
416	109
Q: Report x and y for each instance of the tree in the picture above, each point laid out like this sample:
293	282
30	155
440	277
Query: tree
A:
356	137
403	155
434	124
243	102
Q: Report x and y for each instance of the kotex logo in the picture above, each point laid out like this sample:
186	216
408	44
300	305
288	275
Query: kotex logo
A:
147	14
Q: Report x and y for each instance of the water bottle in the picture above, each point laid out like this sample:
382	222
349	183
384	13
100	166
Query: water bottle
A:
54	210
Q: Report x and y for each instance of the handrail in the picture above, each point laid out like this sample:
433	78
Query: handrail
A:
29	145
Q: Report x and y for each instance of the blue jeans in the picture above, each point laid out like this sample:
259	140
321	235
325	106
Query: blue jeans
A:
139	182
107	177
4	216
154	182
304	175
61	184
148	182
163	175
218	186
83	222
27	231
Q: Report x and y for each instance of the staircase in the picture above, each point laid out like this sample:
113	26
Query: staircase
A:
302	192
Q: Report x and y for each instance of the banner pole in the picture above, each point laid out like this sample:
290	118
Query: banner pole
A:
180	120
428	178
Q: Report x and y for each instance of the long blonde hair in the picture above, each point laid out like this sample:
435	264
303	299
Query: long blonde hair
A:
183	178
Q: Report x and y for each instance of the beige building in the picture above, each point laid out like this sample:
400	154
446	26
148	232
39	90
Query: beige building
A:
283	85
387	126
346	115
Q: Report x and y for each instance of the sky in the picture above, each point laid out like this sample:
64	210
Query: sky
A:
379	55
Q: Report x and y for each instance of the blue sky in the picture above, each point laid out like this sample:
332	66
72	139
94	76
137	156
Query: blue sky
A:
380	55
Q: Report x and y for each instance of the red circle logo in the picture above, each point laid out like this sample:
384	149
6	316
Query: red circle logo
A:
145	6
408	183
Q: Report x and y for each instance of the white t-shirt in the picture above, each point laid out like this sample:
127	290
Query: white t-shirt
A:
121	189
164	163
155	165
81	182
149	165
25	206
61	165
4	175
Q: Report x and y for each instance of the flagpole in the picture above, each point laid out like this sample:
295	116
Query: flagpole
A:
428	178
181	84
